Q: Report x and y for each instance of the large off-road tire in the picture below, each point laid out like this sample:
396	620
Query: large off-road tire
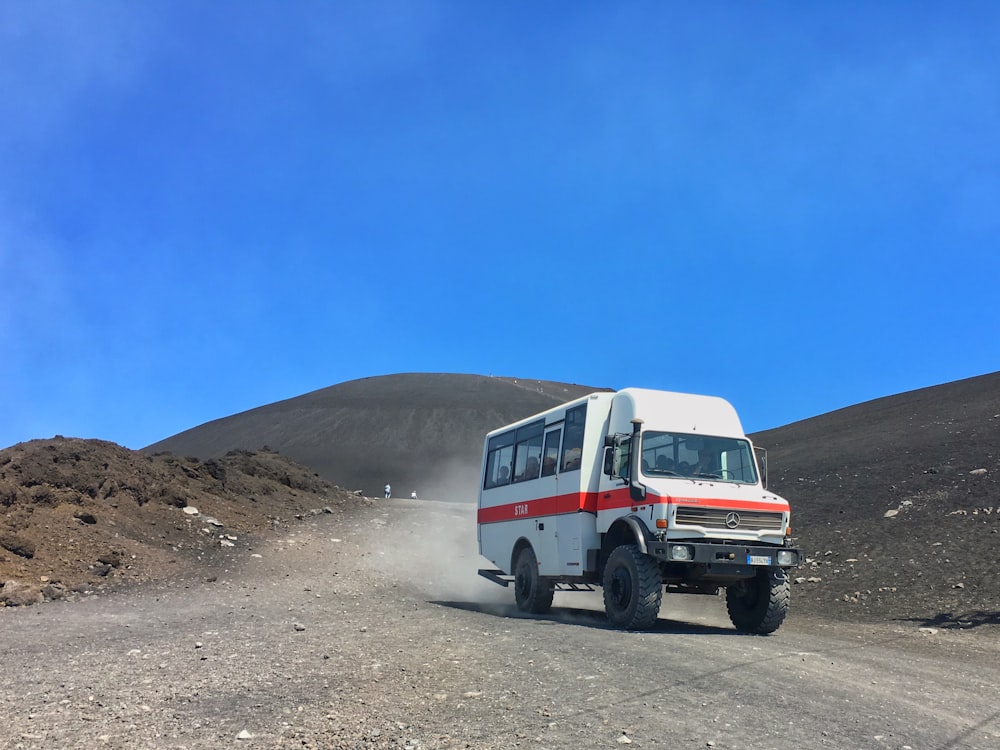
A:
633	588
759	604
531	592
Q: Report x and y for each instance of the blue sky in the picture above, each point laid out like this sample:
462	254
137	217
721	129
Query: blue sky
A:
208	207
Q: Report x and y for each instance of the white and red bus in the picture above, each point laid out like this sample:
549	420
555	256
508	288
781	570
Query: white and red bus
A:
636	491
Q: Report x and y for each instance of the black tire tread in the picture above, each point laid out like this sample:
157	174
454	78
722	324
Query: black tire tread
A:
538	600
766	613
648	590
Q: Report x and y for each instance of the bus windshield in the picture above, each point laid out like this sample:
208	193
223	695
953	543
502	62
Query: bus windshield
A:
679	454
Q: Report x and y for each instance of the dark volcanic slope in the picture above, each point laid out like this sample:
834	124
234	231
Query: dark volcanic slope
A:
420	432
897	501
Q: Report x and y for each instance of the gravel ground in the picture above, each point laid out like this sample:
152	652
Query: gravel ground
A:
371	630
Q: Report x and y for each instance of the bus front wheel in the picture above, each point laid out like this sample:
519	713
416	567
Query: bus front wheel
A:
531	592
633	588
759	604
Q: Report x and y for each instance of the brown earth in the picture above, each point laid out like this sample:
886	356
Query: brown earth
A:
79	515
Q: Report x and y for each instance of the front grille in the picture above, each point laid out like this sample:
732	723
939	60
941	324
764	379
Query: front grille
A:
720	518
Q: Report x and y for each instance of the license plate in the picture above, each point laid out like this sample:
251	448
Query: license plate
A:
758	560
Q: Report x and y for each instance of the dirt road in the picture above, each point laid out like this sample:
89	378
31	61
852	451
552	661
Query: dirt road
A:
374	632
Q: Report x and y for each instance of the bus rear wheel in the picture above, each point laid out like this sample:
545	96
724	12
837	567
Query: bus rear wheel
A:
531	592
633	588
759	604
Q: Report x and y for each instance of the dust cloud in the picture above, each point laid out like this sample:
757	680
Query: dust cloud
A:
454	480
430	546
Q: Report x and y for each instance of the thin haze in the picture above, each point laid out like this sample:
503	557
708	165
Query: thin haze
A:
208	207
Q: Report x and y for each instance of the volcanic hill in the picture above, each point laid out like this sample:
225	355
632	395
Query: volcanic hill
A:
420	432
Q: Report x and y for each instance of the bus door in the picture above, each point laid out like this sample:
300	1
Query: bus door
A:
535	462
563	449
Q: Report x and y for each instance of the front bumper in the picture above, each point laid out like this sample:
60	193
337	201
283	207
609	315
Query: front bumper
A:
725	558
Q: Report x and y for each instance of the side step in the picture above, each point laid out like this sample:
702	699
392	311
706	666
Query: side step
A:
571	586
498	576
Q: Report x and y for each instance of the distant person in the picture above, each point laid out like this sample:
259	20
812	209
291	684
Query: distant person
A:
413	495
388	492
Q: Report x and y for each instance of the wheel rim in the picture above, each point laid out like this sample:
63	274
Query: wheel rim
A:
522	583
621	588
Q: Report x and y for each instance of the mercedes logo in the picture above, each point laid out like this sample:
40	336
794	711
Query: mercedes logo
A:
732	520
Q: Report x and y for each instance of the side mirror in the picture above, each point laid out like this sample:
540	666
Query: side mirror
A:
762	464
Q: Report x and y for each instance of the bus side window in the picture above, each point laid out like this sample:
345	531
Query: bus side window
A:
528	451
499	459
572	449
550	453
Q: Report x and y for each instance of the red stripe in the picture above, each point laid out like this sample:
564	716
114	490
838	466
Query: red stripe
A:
592	502
714	502
542	506
620	498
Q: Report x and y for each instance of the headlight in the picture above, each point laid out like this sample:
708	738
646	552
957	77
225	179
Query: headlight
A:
788	557
681	552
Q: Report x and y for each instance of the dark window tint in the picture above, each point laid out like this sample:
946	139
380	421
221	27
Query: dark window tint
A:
572	450
499	460
550	453
528	451
625	457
